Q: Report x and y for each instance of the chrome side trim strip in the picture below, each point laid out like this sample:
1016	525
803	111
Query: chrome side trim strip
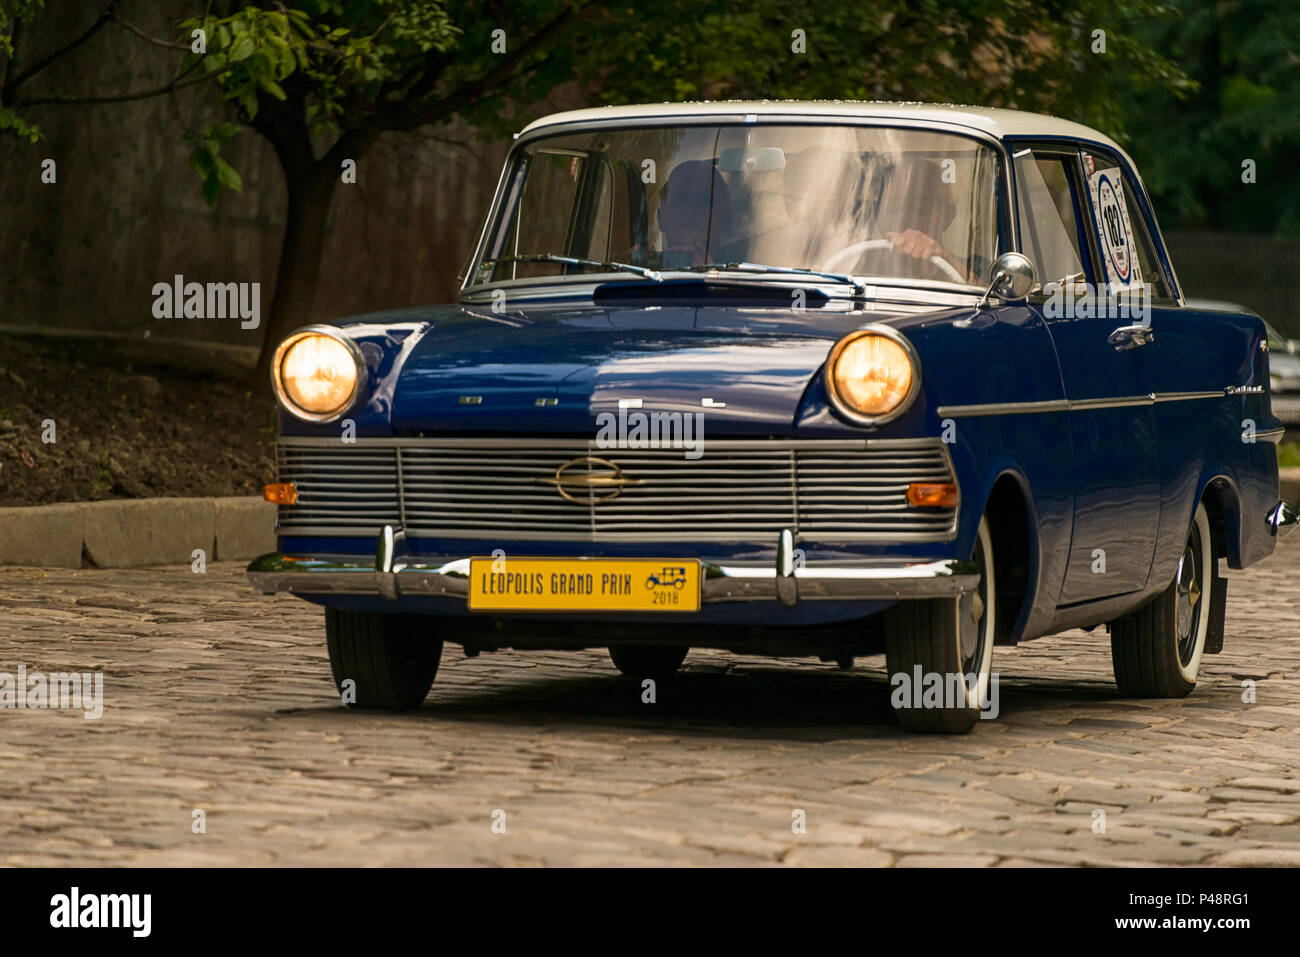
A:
1187	396
1002	408
1070	405
1113	402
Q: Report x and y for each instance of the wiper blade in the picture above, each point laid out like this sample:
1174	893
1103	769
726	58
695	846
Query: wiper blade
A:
859	287
575	261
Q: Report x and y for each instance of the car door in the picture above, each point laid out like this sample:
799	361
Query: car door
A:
1111	415
1208	369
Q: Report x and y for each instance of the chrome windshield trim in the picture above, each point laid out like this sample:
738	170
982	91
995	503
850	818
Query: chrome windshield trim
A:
724	117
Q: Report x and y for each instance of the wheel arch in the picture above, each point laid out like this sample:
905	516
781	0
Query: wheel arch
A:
1017	560
1223	503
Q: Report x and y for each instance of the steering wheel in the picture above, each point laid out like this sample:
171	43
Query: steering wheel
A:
851	252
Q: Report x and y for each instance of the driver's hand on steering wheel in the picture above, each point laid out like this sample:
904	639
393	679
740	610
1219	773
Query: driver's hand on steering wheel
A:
919	245
916	244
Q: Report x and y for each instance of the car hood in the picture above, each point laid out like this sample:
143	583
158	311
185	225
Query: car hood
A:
556	371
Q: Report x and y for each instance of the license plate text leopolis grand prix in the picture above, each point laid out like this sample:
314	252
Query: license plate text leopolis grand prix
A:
580	584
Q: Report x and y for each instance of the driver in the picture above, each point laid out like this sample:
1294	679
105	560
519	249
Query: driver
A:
926	208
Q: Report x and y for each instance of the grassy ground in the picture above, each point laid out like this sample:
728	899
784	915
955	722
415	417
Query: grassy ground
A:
130	420
1288	455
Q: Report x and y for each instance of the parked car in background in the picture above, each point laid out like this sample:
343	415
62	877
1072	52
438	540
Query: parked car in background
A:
1283	362
805	379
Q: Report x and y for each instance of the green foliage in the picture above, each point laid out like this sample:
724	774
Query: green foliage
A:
391	64
1240	56
13	12
341	57
215	172
9	120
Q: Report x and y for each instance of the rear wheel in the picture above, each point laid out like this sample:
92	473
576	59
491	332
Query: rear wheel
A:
384	662
648	661
945	641
1157	649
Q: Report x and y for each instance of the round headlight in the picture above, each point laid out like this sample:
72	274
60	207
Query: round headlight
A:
873	375
317	373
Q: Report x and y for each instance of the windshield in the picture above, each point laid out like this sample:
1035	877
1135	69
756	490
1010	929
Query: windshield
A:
878	202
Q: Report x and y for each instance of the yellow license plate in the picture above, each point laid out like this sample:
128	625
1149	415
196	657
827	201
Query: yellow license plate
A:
584	584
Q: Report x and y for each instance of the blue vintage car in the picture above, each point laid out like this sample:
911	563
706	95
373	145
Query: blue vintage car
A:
798	379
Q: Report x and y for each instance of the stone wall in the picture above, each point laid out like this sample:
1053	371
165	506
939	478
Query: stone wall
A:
126	210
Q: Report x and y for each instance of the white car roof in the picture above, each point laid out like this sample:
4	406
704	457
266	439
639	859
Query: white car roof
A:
997	123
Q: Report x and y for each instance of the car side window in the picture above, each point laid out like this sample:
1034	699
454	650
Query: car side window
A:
1049	230
1120	226
562	180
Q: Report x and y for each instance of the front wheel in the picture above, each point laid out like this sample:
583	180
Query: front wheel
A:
939	653
1157	649
384	662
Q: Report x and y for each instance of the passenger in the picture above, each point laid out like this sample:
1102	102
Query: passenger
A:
694	214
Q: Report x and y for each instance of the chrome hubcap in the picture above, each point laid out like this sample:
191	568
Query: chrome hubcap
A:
970	619
1187	602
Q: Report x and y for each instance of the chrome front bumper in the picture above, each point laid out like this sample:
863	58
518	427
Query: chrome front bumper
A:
393	575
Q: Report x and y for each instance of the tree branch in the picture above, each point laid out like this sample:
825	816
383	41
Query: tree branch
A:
428	112
184	47
12	85
120	97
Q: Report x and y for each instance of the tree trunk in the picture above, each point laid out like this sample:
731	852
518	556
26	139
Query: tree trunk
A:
310	185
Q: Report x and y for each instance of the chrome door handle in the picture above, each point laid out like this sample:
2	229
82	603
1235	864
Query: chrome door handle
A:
1130	337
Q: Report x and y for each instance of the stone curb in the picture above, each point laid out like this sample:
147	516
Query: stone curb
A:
125	533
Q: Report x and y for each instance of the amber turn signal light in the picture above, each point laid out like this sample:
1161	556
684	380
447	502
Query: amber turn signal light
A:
934	495
284	493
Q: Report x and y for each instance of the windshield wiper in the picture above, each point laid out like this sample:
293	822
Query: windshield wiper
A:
575	261
859	287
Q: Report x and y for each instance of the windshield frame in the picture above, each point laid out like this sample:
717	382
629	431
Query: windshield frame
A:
572	286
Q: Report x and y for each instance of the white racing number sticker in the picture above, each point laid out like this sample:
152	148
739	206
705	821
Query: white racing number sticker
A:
1114	228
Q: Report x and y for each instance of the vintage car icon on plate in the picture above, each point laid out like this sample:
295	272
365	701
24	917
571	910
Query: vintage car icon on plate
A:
668	578
840	379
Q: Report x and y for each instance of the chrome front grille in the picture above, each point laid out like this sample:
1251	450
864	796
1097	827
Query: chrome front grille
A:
822	490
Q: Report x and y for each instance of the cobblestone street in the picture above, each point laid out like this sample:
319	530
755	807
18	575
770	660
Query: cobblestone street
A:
220	699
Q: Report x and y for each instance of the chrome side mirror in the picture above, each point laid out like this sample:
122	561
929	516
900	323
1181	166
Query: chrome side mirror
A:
1011	277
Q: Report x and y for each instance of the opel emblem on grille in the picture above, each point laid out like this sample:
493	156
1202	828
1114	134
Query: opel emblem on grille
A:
588	480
